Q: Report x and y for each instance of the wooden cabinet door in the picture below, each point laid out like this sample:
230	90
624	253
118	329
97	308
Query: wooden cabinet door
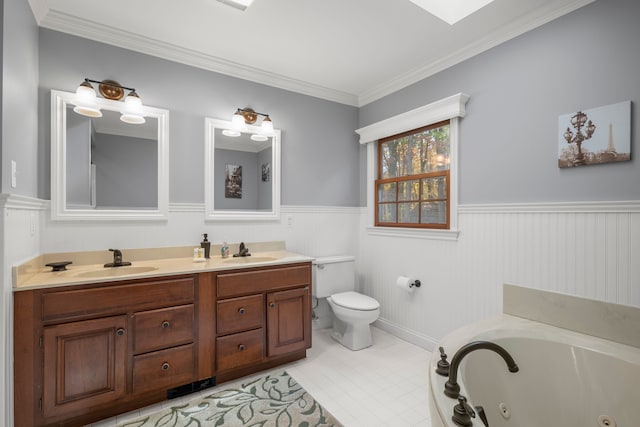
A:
84	365
288	321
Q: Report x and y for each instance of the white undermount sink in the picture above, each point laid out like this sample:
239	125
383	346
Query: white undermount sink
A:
249	259
117	271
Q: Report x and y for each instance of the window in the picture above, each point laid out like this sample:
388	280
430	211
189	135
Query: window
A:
412	187
436	193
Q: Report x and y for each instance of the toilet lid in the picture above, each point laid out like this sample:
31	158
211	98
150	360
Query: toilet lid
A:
355	301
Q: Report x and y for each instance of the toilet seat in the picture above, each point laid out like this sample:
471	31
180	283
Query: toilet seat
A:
355	301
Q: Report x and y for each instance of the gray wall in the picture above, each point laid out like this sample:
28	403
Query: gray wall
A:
126	171
319	166
20	97
508	140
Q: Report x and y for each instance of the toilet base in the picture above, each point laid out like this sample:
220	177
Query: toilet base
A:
354	337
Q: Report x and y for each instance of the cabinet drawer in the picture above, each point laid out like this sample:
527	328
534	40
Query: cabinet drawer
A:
162	328
239	349
240	314
251	282
164	368
115	299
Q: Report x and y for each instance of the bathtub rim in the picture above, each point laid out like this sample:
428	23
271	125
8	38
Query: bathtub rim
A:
506	326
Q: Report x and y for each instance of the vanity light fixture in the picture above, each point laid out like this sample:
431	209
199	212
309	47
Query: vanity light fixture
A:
86	100
247	116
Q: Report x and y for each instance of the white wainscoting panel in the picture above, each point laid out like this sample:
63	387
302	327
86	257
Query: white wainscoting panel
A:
310	230
579	249
20	231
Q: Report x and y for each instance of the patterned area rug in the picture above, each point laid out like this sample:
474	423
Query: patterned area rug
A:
271	401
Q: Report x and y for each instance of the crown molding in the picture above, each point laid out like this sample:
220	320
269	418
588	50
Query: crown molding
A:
506	33
66	23
69	24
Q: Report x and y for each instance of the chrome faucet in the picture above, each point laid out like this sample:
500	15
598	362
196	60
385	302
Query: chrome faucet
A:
451	387
117	259
242	251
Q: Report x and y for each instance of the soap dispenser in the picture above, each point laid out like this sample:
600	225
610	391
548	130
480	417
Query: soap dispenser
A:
224	250
206	245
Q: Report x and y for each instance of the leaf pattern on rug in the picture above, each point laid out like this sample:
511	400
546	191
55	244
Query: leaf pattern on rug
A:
271	401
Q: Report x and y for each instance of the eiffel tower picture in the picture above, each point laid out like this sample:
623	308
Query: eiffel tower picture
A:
585	139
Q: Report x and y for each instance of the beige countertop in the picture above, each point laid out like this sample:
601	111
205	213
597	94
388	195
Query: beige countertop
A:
34	275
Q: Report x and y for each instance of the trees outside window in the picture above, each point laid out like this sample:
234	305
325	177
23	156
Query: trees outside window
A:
412	188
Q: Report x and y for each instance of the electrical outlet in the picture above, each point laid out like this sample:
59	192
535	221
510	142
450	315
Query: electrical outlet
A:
289	221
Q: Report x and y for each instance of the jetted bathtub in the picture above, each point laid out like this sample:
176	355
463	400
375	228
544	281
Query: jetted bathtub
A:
565	379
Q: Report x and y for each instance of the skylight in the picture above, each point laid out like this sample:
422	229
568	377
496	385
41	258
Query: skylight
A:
451	11
238	4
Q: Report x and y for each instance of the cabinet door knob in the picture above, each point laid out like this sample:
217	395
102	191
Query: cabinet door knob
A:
165	366
242	347
165	324
120	332
272	304
241	310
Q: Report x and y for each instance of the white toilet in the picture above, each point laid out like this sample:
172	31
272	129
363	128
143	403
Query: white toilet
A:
334	279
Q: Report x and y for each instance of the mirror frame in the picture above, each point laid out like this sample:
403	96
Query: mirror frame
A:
211	213
59	102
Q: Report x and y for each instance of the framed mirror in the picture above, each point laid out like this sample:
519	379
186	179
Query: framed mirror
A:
242	176
105	169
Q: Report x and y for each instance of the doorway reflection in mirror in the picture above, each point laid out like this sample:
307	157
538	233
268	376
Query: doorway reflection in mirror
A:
111	164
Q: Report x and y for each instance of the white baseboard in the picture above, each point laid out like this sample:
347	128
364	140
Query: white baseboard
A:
408	335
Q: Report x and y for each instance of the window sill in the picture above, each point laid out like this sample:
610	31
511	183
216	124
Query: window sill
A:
414	233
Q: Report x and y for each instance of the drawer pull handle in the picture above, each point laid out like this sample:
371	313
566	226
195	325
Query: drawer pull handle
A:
165	324
272	305
165	366
241	310
120	332
242	347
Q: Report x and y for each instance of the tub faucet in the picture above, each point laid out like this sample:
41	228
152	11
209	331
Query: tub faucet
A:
451	387
462	413
117	259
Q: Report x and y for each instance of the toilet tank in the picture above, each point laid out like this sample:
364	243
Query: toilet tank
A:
333	274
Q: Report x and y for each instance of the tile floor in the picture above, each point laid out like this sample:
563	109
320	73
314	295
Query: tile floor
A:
382	386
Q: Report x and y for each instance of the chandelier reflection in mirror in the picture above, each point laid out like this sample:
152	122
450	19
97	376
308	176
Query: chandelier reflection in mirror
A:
247	116
86	100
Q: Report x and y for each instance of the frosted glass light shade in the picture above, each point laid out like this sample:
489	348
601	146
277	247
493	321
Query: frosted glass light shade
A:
267	126
132	111
86	101
258	137
237	122
231	133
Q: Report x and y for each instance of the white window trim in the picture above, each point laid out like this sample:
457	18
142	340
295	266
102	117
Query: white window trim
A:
450	108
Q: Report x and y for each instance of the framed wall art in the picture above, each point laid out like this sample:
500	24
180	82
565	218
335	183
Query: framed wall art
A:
594	136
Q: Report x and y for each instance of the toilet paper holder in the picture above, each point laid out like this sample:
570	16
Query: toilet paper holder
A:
416	283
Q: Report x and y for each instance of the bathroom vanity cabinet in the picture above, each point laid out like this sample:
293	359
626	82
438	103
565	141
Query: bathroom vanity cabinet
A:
262	315
90	351
90	346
